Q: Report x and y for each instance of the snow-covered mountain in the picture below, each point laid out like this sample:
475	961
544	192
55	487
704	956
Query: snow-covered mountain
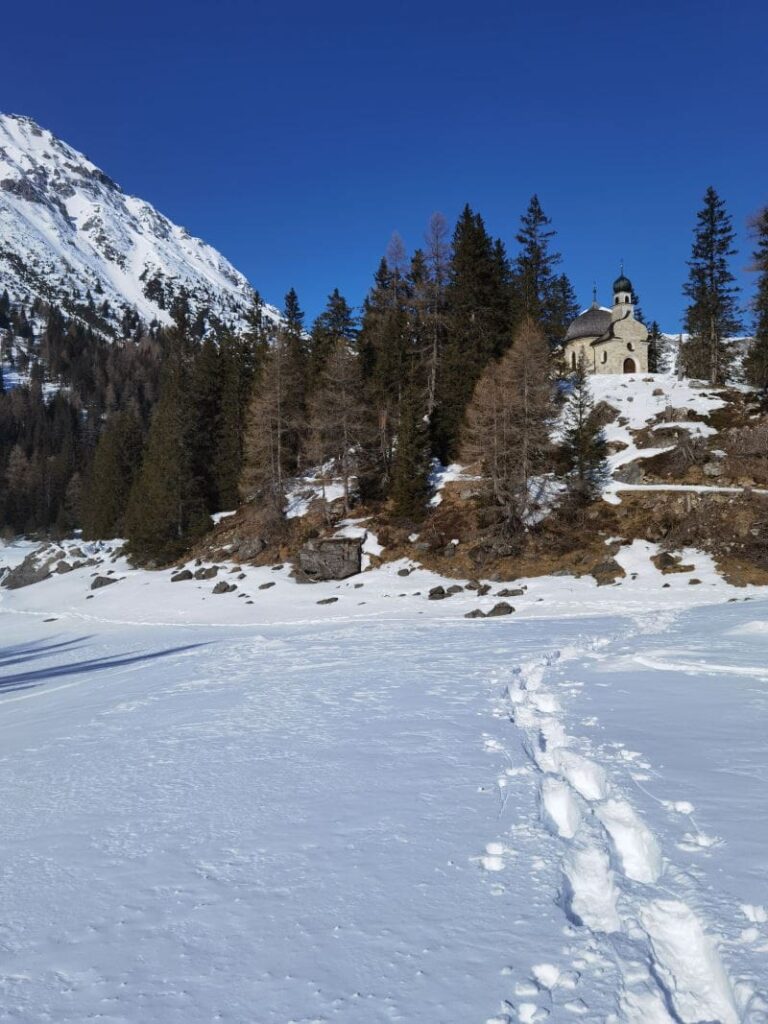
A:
67	229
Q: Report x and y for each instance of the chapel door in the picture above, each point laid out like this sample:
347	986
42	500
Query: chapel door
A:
629	365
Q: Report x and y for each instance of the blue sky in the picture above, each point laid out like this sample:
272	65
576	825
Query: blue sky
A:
296	137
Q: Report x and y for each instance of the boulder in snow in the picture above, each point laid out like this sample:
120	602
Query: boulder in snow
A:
331	558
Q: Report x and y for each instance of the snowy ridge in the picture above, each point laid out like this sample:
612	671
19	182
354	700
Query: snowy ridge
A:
67	228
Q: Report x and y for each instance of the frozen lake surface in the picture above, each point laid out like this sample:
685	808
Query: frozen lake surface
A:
385	819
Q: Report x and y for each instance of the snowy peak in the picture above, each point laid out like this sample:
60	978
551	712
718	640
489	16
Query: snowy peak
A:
67	230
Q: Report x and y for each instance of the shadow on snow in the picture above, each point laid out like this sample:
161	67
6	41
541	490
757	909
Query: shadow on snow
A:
18	654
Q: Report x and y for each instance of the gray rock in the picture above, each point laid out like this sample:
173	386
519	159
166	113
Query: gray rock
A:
332	558
266	586
631	473
180	577
475	614
692	582
102	581
712	469
403	572
454	589
437	594
674	415
222	587
63	567
209	572
33	569
249	547
328	600
514	592
502	608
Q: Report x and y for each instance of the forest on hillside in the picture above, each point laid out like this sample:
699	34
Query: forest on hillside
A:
455	354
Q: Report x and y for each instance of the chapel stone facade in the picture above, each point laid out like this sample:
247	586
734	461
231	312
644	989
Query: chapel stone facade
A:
611	339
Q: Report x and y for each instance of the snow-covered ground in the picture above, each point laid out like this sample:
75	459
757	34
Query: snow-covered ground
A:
376	810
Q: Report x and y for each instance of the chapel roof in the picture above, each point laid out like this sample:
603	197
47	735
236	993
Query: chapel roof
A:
591	324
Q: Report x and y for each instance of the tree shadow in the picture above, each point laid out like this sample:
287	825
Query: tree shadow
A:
31	678
16	654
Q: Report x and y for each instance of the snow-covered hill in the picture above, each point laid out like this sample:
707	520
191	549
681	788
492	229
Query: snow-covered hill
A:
66	229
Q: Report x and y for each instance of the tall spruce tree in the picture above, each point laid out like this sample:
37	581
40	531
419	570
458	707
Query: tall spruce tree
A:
240	361
386	352
478	321
410	470
115	463
336	323
166	509
756	365
584	446
543	295
712	313
205	393
293	344
655	348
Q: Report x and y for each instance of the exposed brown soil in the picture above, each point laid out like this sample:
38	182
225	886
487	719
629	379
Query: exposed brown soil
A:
456	540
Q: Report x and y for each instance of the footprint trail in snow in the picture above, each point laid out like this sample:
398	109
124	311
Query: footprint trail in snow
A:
627	917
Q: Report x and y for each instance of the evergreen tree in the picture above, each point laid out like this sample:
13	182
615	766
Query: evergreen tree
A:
410	471
584	445
756	365
240	361
204	398
543	295
294	356
386	351
336	323
478	325
637	311
562	308
655	348
166	509
712	313
115	464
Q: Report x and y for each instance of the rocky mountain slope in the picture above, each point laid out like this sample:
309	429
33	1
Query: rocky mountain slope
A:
67	230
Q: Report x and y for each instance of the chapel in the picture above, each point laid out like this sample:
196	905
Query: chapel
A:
612	340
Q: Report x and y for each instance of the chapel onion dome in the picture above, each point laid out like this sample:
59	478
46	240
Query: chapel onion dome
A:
622	284
591	324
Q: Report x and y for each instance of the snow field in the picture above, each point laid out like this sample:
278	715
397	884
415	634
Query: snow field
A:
615	886
355	813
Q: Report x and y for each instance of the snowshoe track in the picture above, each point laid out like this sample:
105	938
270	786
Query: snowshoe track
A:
617	891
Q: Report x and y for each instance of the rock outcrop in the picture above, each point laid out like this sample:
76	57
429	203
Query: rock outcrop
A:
332	558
